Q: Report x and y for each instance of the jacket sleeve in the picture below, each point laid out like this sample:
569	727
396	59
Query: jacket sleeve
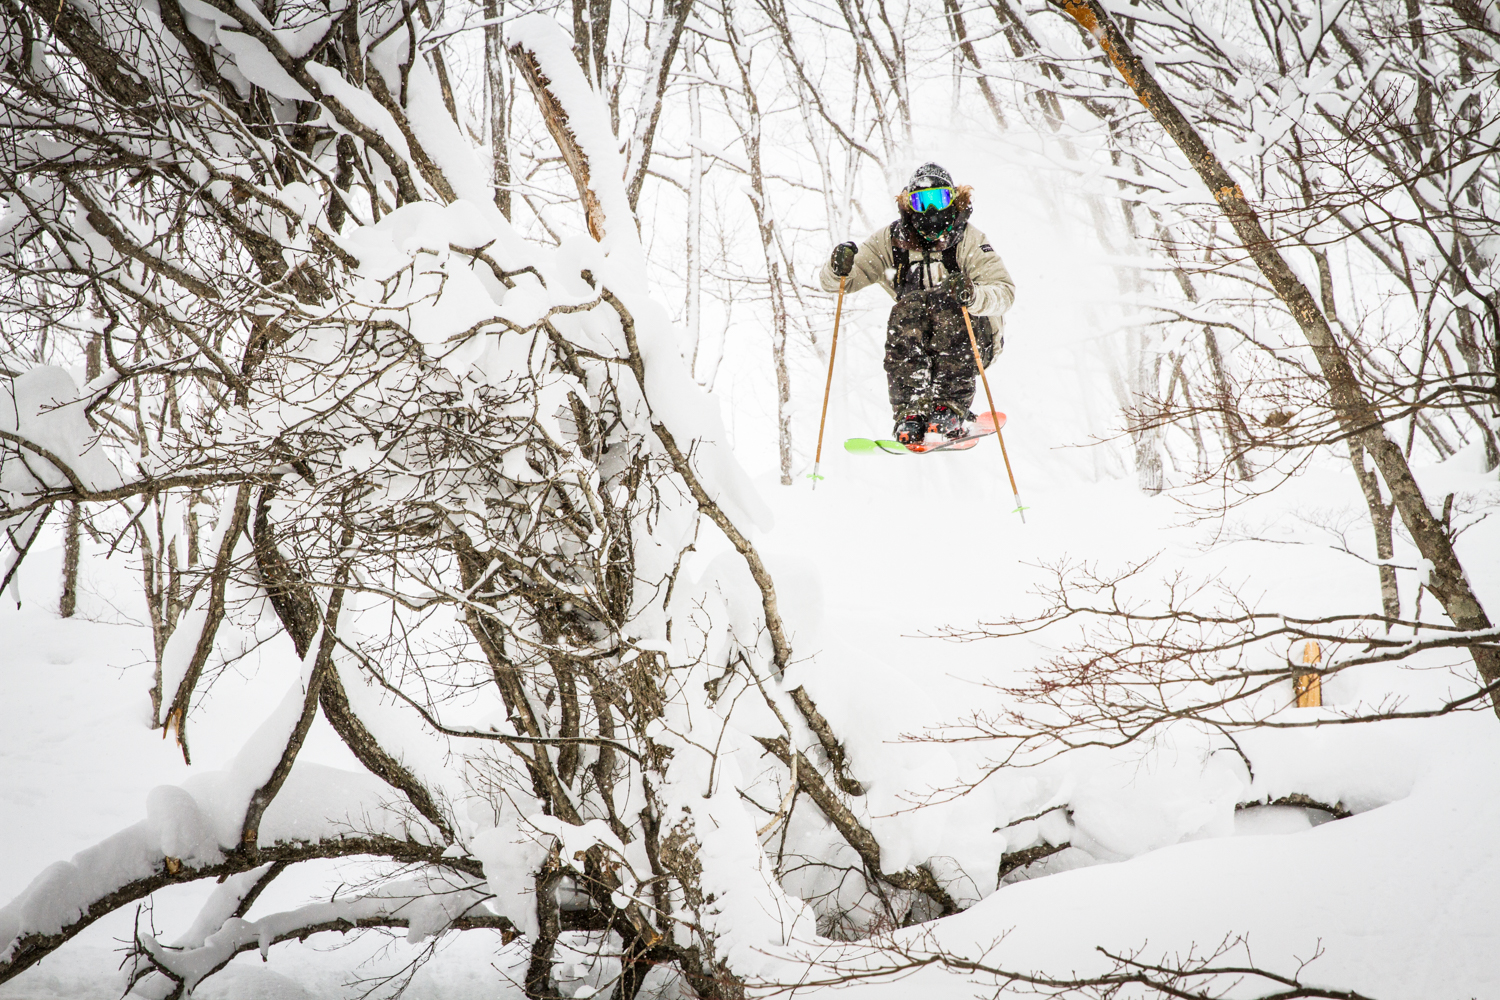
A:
994	291
870	263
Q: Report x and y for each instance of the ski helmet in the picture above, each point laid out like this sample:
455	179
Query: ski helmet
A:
929	175
932	223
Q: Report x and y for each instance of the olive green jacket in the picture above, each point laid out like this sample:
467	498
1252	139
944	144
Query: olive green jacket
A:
875	264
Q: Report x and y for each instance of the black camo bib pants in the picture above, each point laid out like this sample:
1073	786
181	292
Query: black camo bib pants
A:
928	360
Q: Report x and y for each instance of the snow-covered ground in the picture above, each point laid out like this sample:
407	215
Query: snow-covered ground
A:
1398	897
1401	897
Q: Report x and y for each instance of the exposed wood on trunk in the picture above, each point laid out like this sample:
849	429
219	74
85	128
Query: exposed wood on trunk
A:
556	118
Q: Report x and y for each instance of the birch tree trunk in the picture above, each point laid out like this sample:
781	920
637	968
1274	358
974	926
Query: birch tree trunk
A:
693	308
497	100
766	222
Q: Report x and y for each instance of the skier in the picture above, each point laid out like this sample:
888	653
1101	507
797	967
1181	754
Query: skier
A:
935	265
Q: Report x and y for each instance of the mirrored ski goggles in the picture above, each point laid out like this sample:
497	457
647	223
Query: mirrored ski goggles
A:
931	199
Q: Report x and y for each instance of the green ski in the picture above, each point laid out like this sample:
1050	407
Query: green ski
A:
868	446
985	425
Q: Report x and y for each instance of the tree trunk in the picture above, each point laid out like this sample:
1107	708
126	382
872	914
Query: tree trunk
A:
1381	515
497	116
1234	426
556	118
960	32
648	113
693	309
766	222
68	603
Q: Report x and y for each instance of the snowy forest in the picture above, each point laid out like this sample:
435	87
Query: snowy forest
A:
432	567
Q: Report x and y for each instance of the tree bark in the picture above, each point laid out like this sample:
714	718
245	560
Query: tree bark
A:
538	983
261	799
693	305
72	544
766	223
965	46
498	109
855	834
1380	520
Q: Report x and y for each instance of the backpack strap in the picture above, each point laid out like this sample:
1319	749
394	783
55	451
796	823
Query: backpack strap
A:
901	260
950	259
900	256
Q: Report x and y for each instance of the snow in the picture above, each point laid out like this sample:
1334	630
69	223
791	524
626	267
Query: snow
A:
1173	842
250	56
508	862
363	106
198	822
424	911
1379	889
1399	896
1395	897
43	406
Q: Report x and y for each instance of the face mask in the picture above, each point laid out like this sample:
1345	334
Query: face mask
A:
932	225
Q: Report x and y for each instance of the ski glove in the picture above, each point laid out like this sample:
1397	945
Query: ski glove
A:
842	260
958	286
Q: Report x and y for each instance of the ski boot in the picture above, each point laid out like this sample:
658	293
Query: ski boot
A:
948	422
910	429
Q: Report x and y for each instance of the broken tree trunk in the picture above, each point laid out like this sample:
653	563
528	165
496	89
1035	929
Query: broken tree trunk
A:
556	117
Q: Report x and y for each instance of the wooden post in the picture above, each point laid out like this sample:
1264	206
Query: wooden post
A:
1309	686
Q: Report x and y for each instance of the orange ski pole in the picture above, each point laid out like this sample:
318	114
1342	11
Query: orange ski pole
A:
828	387
991	400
